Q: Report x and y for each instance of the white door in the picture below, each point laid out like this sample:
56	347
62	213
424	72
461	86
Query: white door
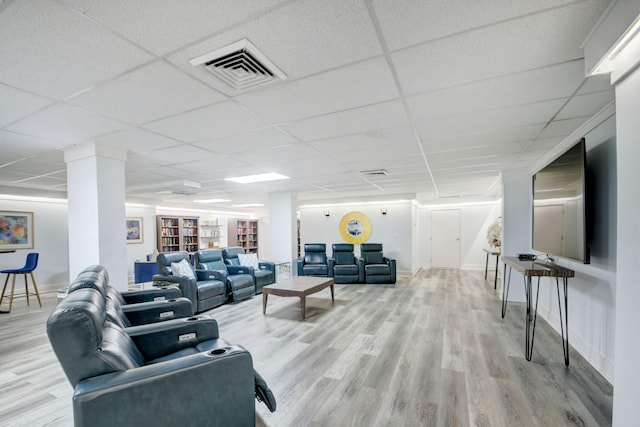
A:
445	239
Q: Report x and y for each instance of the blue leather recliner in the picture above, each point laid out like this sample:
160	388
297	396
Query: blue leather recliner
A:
205	290
377	268
178	372
345	266
264	275
240	282
133	307
315	262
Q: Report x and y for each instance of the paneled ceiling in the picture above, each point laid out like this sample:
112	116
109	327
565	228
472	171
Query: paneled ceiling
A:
442	94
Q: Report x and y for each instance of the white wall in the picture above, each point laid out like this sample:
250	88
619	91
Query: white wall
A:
393	230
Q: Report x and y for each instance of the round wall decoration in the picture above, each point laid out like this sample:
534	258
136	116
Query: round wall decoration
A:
355	227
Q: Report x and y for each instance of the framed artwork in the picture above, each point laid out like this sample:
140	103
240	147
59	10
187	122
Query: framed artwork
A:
355	227
134	230
16	230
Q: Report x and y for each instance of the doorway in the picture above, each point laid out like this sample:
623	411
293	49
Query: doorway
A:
445	238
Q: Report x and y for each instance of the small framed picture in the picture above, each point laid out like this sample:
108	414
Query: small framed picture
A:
134	230
16	230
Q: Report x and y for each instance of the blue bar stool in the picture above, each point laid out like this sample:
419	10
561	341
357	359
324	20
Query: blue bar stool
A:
30	265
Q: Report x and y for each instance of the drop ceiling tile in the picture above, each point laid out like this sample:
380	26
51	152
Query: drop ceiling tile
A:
562	127
516	116
16	104
148	93
169	25
530	42
597	83
366	140
257	140
215	121
414	21
360	84
586	105
553	82
33	167
342	33
22	145
500	148
178	155
67	124
137	140
546	143
370	118
279	154
216	162
44	38
468	140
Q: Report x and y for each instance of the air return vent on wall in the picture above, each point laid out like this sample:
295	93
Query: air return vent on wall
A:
240	65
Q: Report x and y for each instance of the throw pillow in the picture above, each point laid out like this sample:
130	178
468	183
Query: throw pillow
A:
249	260
182	268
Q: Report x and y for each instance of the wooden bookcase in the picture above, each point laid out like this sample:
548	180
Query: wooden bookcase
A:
177	233
244	233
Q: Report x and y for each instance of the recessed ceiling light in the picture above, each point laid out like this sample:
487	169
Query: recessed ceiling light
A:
261	177
248	205
211	201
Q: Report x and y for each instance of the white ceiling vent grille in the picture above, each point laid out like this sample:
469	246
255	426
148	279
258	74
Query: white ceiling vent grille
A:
374	172
240	65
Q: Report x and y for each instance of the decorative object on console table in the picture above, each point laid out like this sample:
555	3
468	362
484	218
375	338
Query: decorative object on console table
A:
243	233
494	234
177	233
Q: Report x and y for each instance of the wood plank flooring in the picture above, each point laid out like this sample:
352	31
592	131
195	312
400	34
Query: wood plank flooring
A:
430	351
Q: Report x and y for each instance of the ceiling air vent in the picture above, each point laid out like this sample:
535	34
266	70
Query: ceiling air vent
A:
374	172
240	65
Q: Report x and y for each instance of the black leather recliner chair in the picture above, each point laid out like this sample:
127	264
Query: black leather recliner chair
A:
345	266
178	372
315	262
205	290
264	275
133	307
240	282
377	268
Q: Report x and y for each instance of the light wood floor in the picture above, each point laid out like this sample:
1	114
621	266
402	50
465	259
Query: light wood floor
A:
430	351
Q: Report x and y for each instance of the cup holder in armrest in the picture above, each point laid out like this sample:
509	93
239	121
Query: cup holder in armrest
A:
172	300
192	319
218	351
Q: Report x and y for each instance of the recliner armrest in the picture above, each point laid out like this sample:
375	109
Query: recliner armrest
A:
146	295
182	391
155	340
158	311
240	269
187	286
211	275
267	265
392	267
300	263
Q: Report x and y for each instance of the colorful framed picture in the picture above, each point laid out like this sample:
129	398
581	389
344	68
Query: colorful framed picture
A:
16	230
134	230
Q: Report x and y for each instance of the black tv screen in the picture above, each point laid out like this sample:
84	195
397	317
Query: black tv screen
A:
559	208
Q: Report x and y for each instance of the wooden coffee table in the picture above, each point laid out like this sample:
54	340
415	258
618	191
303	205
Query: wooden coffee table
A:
297	286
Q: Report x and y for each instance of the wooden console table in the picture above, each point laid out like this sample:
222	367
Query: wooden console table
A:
538	269
496	252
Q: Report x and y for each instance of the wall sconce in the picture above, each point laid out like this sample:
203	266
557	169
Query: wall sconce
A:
327	213
383	211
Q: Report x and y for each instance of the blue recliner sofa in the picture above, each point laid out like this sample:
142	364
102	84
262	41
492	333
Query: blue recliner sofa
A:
240	283
377	268
178	372
315	261
264	275
346	268
205	290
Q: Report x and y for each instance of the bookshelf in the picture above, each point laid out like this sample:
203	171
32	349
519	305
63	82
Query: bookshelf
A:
243	233
177	233
210	234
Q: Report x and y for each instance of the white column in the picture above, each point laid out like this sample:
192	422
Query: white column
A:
283	228
96	194
516	223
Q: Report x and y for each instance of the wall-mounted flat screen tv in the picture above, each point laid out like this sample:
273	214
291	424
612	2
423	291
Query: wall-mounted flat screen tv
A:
560	220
